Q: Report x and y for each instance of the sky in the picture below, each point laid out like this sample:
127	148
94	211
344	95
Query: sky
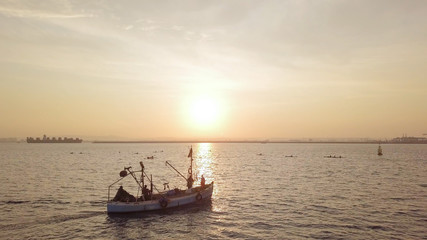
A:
213	69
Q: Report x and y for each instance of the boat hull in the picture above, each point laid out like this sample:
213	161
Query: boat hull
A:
152	205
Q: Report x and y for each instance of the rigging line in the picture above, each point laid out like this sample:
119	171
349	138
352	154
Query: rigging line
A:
176	170
152	183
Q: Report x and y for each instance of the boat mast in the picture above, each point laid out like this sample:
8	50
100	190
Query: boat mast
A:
190	179
142	175
132	173
190	154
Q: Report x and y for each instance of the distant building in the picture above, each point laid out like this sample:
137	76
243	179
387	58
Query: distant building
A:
406	139
53	140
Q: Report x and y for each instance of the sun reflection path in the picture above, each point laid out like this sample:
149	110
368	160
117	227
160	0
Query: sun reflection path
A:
204	161
206	165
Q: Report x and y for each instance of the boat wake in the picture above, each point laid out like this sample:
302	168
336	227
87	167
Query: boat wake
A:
51	220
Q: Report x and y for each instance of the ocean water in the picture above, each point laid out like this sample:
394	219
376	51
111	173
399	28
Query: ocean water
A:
59	191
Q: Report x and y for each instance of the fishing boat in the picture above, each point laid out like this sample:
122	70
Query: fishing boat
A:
124	202
380	150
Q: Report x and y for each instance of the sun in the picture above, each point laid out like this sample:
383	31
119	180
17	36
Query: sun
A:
204	111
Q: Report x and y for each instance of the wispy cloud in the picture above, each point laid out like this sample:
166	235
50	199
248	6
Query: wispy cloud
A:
129	27
27	11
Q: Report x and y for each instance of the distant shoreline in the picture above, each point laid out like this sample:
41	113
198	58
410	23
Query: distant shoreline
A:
263	142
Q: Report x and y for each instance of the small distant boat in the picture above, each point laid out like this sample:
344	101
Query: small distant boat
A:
330	156
124	202
380	150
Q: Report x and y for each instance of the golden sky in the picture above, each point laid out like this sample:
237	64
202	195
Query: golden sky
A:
216	69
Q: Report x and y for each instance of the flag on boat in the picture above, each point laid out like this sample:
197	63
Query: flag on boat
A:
190	154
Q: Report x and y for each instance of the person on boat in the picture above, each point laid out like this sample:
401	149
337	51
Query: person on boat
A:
146	192
202	182
190	181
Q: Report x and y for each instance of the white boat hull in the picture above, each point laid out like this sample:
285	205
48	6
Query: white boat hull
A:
151	205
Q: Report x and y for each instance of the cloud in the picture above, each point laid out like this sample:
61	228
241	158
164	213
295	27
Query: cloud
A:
57	9
129	27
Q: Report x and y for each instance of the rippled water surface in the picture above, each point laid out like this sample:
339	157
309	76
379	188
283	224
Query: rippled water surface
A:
59	191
